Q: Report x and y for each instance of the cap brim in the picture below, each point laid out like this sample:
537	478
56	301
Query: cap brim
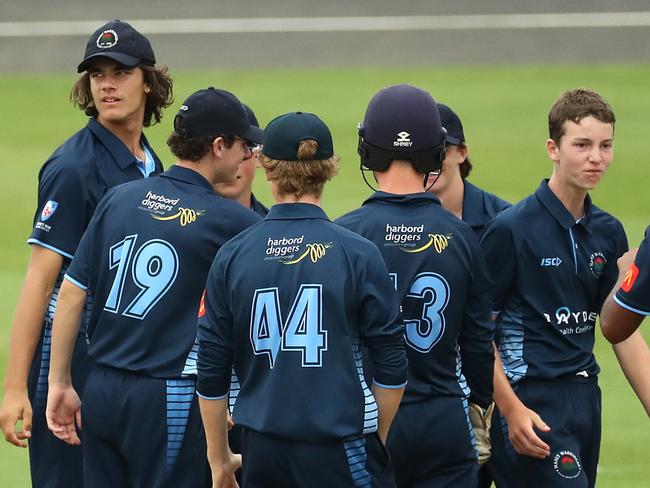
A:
453	140
253	134
123	59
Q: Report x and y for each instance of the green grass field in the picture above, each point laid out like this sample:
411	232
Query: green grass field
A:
504	112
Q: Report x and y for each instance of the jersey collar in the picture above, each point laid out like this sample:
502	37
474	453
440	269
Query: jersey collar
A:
288	211
123	157
557	209
187	175
422	198
473	205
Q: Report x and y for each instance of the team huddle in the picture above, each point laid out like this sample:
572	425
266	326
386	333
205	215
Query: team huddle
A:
436	336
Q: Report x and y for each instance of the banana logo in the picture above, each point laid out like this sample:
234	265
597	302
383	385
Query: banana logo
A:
185	216
315	252
438	241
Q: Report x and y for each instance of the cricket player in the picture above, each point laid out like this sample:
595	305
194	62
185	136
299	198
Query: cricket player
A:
144	259
476	207
288	303
553	259
473	205
241	189
438	269
122	90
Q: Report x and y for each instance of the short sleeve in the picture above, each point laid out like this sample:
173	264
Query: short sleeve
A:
79	270
61	216
215	336
634	293
381	324
477	332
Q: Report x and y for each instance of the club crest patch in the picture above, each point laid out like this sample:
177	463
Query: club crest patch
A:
107	39
567	465
597	263
49	209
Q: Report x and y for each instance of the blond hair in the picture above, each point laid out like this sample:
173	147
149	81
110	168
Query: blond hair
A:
304	176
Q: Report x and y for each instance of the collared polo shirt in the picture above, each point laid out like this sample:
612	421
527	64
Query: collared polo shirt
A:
288	303
258	207
480	206
438	269
73	181
144	260
552	275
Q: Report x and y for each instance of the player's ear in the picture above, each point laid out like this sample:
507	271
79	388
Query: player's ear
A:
147	89
552	149
218	146
462	151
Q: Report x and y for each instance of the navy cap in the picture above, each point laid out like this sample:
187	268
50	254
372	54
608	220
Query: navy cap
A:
402	118
120	42
452	124
283	136
214	112
252	120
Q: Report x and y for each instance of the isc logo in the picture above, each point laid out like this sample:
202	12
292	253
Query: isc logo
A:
551	262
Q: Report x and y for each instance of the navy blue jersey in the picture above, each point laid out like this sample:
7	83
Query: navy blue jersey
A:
479	207
73	181
634	293
552	275
287	303
257	207
144	260
439	272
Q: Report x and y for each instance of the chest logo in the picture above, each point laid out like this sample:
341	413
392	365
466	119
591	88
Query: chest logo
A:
597	263
546	262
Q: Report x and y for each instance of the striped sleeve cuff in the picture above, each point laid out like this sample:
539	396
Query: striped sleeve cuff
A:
51	248
629	307
75	282
205	397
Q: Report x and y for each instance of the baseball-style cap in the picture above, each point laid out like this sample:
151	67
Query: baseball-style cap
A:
451	122
119	41
213	112
402	118
283	136
252	120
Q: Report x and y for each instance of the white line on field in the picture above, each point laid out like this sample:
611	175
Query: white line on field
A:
338	24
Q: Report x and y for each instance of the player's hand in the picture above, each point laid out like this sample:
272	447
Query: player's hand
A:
625	260
15	407
522	423
223	475
63	410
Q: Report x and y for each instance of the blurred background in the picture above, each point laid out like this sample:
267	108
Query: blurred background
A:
46	36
